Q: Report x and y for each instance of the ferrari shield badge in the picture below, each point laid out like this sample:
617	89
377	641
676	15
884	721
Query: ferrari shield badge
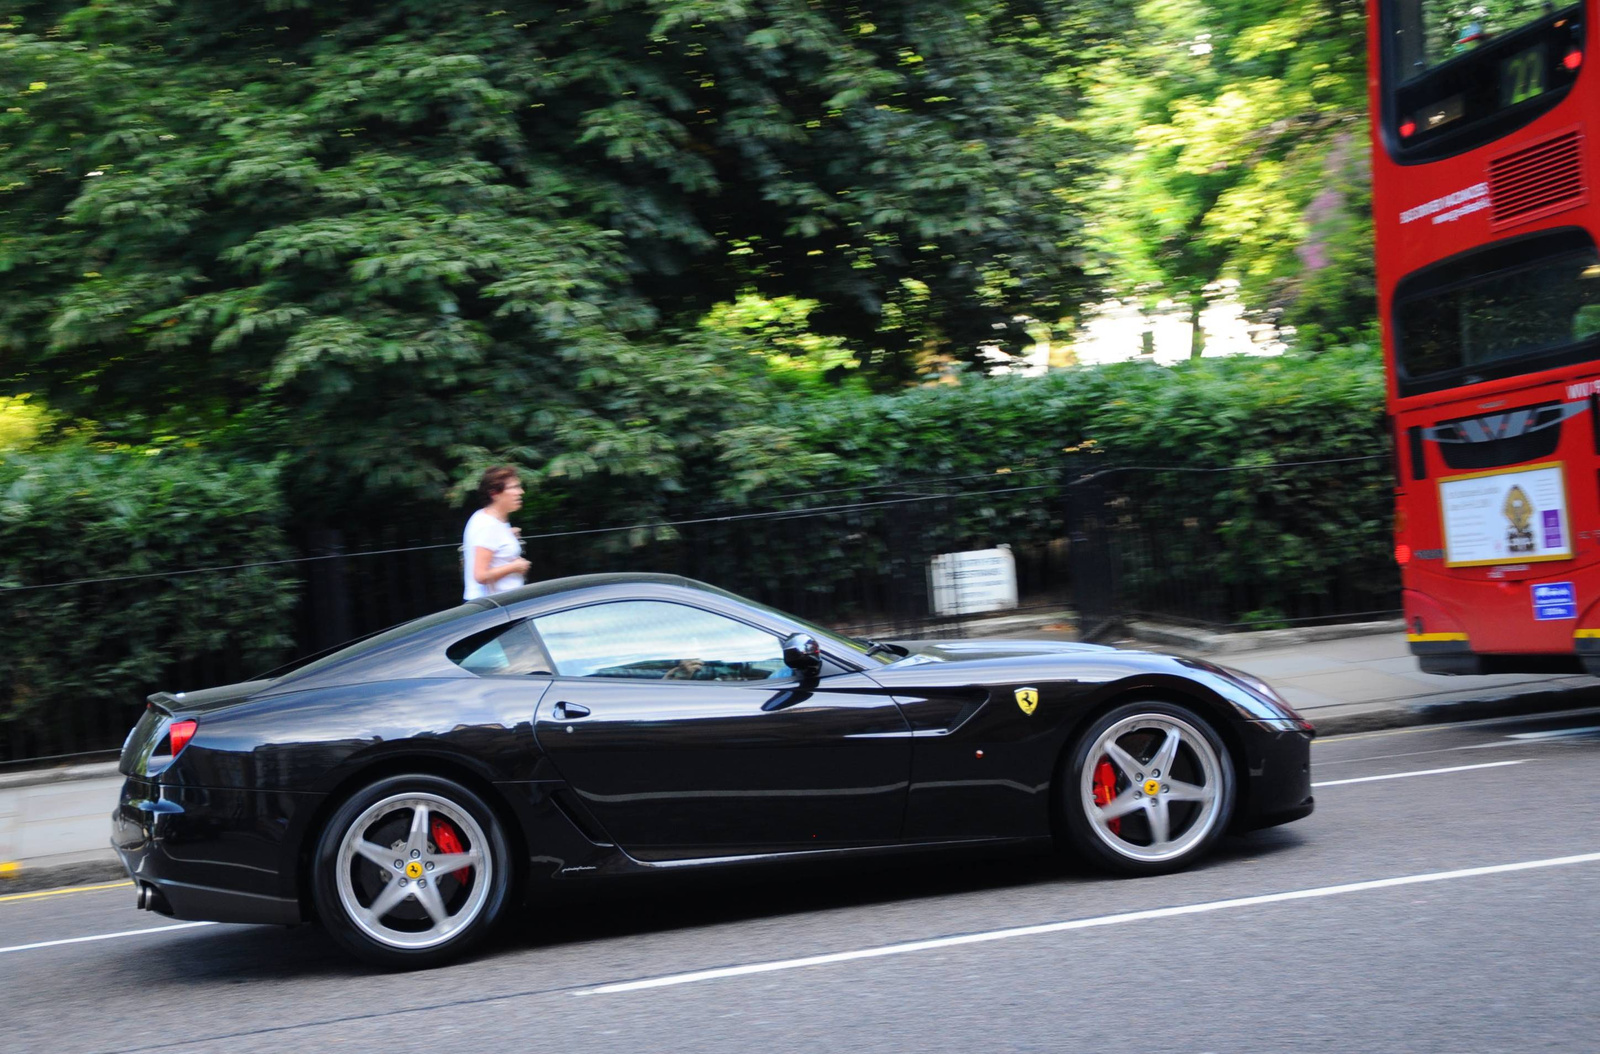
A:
1028	700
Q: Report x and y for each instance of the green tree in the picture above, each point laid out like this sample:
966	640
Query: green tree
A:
1232	145
405	238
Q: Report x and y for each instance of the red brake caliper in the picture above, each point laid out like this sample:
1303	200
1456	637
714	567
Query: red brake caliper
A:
447	841
1105	789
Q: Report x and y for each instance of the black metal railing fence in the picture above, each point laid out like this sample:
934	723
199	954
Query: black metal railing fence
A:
859	565
1237	548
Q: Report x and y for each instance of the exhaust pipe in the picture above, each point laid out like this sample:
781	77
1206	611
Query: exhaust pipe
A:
150	898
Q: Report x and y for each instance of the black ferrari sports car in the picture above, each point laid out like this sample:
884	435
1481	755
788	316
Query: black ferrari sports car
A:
404	790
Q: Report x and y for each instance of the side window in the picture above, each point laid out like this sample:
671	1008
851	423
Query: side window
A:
654	640
504	651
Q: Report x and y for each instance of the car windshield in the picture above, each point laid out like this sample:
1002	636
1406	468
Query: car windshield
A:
831	640
1496	316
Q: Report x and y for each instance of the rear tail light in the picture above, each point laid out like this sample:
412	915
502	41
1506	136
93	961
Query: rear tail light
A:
180	733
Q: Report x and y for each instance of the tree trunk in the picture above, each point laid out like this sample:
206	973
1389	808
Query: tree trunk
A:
1197	335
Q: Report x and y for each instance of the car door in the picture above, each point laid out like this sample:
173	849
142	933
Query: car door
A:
684	734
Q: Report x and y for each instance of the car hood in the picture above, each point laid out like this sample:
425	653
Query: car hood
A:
972	650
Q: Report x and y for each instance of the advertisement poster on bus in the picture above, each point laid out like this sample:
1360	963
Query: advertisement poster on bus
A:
1505	517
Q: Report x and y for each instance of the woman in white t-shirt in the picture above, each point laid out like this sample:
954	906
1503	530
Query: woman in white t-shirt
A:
491	549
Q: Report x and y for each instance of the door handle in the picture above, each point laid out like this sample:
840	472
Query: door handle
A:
568	711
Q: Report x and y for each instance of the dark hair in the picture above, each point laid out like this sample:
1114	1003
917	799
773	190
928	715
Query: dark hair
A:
495	480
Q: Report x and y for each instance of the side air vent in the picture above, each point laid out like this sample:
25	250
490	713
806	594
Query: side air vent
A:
1538	180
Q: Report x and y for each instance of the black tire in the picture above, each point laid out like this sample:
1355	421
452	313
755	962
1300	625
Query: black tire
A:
430	915
1150	835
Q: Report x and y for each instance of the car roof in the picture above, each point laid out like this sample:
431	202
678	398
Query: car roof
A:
576	582
414	649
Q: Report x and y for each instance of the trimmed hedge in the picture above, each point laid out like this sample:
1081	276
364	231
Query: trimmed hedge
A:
72	514
1211	414
1276	540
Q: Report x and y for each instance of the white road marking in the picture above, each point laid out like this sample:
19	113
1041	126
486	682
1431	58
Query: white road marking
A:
1423	772
103	937
1482	722
1081	924
1411	754
1556	733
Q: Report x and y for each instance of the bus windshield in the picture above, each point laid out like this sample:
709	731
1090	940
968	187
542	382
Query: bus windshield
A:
1457	327
1429	33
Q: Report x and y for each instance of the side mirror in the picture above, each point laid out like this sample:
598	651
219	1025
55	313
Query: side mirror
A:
802	654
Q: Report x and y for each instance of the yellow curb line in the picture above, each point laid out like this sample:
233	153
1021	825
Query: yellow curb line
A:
60	892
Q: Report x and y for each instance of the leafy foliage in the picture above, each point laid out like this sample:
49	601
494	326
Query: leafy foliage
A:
73	513
801	361
1232	136
21	423
1251	536
1242	485
1026	440
403	239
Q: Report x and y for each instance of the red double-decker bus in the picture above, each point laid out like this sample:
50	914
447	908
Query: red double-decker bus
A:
1489	293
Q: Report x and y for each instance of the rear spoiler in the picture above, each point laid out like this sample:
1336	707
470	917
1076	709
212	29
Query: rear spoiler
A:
165	702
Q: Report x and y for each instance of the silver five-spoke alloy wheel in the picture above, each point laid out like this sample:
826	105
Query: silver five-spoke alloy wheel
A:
449	884
1151	788
412	870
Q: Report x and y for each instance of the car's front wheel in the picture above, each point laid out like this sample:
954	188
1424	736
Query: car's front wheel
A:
411	871
1147	788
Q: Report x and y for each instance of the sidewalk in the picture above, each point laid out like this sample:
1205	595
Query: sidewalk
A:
1362	681
55	827
55	823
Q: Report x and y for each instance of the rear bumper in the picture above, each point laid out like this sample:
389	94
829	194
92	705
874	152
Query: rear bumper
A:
1492	627
1457	657
189	847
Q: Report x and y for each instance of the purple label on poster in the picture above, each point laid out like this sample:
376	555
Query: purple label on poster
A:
1552	529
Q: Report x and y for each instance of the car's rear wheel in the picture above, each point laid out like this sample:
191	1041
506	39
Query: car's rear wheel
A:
411	871
1147	788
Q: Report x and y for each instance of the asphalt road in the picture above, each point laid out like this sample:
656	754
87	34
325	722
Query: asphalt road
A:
1317	936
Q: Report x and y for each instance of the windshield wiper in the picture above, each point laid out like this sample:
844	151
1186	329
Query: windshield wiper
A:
873	648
